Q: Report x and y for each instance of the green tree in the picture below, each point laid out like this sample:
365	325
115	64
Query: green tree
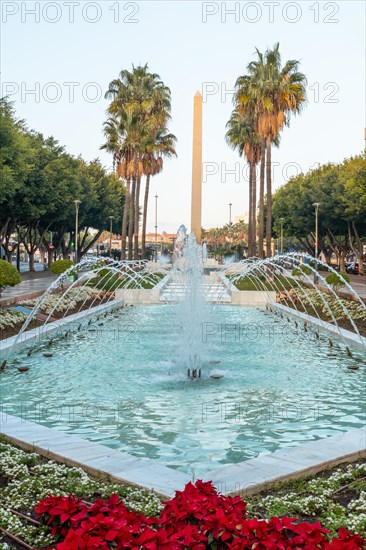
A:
337	280
15	151
16	158
272	93
340	190
353	178
40	184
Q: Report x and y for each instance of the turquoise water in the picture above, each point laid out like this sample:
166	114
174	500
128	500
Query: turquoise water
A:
122	384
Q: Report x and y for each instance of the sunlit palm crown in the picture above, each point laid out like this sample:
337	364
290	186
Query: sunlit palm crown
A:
136	130
272	92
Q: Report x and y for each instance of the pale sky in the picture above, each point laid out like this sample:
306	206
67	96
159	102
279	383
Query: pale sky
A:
66	52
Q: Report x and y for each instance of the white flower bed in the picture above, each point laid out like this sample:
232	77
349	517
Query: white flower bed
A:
315	498
70	300
311	296
31	479
10	318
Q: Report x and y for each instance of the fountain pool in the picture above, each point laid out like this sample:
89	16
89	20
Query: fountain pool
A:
116	384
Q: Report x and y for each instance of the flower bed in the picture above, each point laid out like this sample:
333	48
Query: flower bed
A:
249	283
308	299
77	299
70	301
9	318
105	515
11	321
336	498
197	517
319	299
312	296
26	478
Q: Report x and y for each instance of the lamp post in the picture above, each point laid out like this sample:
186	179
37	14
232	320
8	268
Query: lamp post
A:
316	205
110	234
77	203
156	228
281	222
230	205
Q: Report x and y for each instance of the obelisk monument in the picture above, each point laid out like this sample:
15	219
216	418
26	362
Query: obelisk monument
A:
196	205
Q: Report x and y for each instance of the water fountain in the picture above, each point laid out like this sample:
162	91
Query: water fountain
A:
271	277
103	275
284	360
274	278
191	311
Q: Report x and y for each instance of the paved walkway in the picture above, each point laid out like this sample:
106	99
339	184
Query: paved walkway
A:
31	284
357	282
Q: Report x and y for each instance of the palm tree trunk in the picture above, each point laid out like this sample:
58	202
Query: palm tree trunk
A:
269	198
144	219
124	219
261	200
130	220
250	217
254	210
136	223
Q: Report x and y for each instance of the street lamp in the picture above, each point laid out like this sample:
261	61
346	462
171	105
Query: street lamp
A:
230	205
156	227
281	222
316	205
110	234
77	203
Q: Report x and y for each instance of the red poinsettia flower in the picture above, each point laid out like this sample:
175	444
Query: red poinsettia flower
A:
198	518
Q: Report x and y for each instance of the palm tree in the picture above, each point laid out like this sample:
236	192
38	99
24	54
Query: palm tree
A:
272	93
241	135
124	134
144	94
161	145
261	199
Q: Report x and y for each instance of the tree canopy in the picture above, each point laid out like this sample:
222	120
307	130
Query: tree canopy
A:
340	190
39	184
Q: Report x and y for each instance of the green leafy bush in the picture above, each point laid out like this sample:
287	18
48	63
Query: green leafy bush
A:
9	275
111	282
337	280
105	273
301	271
60	266
107	279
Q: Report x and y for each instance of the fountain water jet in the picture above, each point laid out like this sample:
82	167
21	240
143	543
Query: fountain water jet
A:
263	274
127	274
191	311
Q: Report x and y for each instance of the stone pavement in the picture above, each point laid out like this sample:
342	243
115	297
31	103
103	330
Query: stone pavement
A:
32	285
357	282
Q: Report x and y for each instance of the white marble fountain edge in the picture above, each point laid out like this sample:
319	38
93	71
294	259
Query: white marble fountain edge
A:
242	478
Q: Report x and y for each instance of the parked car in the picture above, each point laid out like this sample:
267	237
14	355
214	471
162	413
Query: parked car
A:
354	268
